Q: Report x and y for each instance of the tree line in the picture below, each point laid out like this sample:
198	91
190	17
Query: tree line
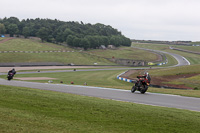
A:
75	34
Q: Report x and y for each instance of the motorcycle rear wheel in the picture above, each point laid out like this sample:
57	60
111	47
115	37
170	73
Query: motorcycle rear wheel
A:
133	89
143	89
9	78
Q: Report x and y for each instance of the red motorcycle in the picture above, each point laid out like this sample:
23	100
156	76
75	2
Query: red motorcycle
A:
142	83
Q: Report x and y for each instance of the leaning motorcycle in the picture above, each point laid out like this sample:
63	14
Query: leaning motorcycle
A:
141	84
10	76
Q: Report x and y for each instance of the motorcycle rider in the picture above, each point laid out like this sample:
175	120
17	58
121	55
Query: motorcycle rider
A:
142	83
147	78
11	72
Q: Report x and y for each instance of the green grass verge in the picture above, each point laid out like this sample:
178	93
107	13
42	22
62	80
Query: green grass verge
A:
29	110
106	79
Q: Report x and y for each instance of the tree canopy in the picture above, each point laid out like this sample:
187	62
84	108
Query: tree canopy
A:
73	33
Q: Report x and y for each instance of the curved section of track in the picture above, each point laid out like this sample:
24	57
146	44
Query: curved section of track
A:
154	99
182	61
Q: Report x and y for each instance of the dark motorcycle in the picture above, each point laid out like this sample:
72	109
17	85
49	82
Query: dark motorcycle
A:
142	84
10	76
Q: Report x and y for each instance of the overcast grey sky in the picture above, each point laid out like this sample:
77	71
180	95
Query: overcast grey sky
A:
136	19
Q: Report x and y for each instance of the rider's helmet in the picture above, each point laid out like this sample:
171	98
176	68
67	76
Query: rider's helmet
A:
146	74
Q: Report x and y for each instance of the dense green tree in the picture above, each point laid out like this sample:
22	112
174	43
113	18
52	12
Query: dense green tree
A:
105	41
2	29
43	34
66	33
92	41
76	42
59	37
73	33
13	20
70	39
12	29
84	43
26	32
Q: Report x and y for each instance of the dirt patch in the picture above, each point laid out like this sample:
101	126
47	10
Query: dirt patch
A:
5	40
35	78
160	81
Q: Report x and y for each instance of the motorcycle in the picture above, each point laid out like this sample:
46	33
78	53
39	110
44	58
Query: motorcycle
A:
10	76
141	84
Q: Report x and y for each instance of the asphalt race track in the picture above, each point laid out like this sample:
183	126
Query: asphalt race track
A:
164	100
182	61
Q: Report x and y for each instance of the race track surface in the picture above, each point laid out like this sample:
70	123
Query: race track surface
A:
182	61
154	99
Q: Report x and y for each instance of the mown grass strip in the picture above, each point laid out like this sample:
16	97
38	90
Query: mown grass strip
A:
65	58
29	110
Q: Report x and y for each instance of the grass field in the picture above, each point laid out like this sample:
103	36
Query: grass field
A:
124	53
78	58
190	48
27	110
192	69
19	44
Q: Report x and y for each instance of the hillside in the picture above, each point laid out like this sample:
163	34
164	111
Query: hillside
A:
18	50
